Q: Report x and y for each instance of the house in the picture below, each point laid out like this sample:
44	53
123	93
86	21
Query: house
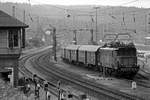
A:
12	40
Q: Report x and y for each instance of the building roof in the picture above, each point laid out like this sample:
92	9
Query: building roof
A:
147	37
9	21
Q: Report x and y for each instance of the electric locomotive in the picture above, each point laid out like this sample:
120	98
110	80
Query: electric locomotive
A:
119	59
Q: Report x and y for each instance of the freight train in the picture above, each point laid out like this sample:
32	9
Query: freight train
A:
114	58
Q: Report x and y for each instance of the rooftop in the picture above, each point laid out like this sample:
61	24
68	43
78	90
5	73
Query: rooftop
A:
8	21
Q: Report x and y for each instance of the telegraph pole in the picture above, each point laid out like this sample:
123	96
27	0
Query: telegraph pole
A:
134	22
24	15
91	30
75	37
37	26
53	30
145	22
13	11
96	23
54	44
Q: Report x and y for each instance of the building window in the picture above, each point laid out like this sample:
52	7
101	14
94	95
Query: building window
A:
3	38
13	38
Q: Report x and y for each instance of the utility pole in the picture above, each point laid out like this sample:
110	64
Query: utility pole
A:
59	91
53	30
24	15
13	11
37	26
54	44
145	22
75	37
96	8
148	23
123	20
91	30
134	22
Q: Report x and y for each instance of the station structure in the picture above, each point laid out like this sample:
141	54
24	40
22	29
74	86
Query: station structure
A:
12	40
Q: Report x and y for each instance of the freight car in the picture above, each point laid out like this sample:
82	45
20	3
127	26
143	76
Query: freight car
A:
113	58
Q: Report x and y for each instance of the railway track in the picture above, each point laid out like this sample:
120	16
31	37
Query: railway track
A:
142	78
28	74
43	64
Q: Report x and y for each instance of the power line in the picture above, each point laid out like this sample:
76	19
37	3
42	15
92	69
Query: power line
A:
123	4
61	8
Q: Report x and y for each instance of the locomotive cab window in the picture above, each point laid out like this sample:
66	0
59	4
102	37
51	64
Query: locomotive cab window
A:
13	38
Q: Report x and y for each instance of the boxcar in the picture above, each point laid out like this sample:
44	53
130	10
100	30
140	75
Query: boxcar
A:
87	54
70	53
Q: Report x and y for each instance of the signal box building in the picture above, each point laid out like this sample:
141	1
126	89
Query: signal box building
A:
12	40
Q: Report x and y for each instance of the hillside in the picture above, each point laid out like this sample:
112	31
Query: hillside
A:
66	18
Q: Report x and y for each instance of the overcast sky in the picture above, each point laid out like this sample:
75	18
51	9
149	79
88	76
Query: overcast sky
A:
137	3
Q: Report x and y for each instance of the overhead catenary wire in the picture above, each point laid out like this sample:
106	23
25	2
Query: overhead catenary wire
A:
130	2
69	10
61	8
113	16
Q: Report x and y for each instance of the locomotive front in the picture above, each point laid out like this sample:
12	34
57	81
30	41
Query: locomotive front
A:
127	61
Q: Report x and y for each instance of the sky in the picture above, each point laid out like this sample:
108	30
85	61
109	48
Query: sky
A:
137	3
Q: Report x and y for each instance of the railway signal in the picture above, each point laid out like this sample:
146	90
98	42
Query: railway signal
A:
59	91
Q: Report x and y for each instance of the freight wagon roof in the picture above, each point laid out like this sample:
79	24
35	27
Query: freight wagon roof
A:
64	46
91	48
72	47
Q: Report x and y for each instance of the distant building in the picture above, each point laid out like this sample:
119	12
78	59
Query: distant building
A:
12	40
147	40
